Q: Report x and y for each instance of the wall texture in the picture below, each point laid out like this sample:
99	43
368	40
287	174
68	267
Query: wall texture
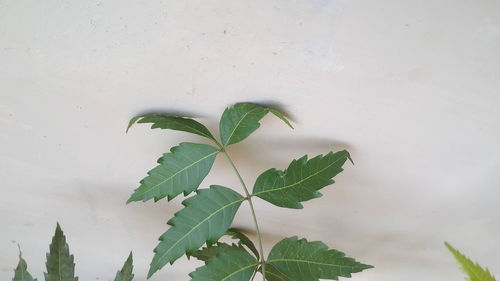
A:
411	88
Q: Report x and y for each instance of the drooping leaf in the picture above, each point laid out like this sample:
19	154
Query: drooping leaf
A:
240	120
178	123
300	181
125	274
208	252
21	272
205	218
180	171
244	240
232	264
60	264
301	260
474	271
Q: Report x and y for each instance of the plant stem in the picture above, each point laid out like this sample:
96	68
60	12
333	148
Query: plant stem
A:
249	197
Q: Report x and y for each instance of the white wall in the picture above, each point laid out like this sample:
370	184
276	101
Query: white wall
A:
411	88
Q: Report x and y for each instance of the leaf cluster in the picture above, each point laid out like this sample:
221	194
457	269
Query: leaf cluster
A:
60	263
206	216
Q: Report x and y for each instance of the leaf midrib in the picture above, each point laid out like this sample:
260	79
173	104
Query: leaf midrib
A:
298	182
195	227
239	270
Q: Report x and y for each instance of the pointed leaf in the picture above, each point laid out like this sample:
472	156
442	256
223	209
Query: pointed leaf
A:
232	264
300	181
21	272
301	260
237	234
209	252
180	171
125	274
242	119
473	270
164	121
205	218
60	264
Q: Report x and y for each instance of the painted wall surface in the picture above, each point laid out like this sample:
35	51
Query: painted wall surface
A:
411	88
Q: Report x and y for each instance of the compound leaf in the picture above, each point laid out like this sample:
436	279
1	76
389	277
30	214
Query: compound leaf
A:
21	272
180	171
60	264
244	240
205	218
240	120
300	181
473	270
301	260
178	123
232	264
209	252
125	274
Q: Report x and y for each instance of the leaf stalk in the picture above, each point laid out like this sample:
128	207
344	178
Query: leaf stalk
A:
249	197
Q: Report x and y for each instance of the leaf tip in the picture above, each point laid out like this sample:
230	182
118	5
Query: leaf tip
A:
132	122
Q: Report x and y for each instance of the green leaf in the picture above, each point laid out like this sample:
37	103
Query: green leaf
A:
232	264
205	218
237	234
473	270
21	272
242	119
180	171
125	274
60	264
300	181
164	121
209	252
301	260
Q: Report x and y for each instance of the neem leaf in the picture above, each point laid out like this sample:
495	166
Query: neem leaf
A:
209	252
178	123
60	264
205	218
237	234
240	120
473	270
301	260
21	272
180	171
125	274
300	181
232	264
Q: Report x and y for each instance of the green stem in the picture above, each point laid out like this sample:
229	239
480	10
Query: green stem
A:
249	198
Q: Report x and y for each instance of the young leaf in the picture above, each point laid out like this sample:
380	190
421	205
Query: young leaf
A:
125	274
205	218
209	252
301	260
21	272
300	181
242	119
177	123
473	270
236	234
232	264
180	171
60	264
